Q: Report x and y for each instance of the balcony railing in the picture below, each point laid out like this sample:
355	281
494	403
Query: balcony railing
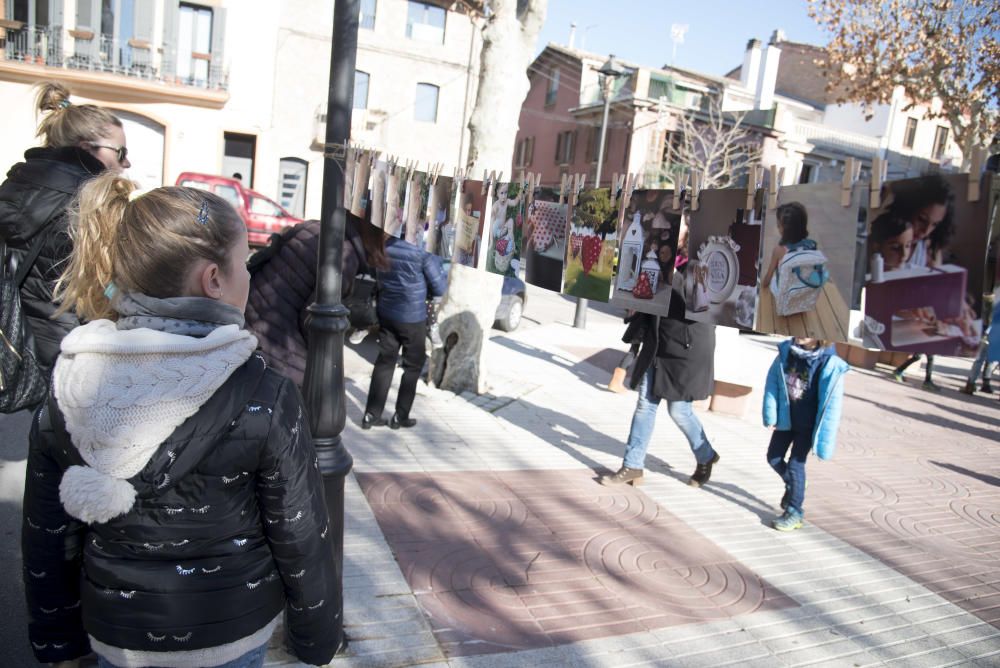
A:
830	138
81	50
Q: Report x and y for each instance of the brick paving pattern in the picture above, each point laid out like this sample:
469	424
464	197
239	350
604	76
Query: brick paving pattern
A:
527	559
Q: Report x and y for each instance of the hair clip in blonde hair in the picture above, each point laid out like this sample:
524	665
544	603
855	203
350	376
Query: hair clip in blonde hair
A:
64	103
134	195
203	213
110	290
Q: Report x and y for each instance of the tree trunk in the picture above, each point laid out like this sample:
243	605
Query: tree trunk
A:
509	36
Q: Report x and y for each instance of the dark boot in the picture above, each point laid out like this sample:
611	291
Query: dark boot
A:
703	472
396	422
369	421
987	388
624	475
968	388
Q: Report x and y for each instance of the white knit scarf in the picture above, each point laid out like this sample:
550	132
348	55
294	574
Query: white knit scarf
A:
123	392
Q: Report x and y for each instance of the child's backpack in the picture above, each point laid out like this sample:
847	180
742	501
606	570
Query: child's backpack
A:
23	384
798	281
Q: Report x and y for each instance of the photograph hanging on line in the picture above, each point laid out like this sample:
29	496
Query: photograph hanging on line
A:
376	199
544	249
360	197
507	229
807	263
472	209
721	272
926	267
590	253
395	200
417	194
441	235
647	252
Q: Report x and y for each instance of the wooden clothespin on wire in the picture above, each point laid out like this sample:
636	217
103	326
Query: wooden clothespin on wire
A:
976	172
851	169
680	183
772	189
562	188
875	185
754	177
695	190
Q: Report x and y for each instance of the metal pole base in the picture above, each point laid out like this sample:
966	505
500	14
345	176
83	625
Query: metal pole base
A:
580	317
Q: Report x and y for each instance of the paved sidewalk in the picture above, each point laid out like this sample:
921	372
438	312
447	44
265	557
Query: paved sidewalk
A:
897	564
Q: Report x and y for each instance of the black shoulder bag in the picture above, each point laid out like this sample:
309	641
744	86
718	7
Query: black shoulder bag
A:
23	384
364	293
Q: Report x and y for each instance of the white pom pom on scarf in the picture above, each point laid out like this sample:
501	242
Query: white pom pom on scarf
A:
94	497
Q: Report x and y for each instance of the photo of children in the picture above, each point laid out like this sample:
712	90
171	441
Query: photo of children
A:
647	253
590	254
807	269
720	275
472	209
417	194
923	291
441	241
376	202
395	198
507	229
544	248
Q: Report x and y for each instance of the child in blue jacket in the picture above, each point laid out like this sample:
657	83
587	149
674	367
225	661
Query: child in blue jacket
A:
802	403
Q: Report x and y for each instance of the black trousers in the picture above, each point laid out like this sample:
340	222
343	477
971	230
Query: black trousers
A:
410	336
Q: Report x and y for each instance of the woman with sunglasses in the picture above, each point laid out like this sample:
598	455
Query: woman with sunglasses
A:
79	141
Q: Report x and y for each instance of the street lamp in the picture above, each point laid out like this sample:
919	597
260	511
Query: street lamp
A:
610	71
327	321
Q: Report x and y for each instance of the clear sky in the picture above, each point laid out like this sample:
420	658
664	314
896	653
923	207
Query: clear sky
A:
639	30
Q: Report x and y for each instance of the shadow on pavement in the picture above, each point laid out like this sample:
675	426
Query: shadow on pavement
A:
982	477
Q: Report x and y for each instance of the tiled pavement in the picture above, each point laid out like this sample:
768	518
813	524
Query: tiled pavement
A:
898	564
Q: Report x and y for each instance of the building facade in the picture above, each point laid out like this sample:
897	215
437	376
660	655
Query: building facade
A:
239	86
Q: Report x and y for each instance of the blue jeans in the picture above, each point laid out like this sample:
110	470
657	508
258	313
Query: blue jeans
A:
252	659
644	419
977	366
792	472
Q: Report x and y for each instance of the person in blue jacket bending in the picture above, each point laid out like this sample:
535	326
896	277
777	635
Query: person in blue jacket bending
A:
802	404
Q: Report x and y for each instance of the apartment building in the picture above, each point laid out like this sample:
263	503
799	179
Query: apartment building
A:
239	86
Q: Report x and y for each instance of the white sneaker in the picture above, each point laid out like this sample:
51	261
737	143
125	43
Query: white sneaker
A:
357	336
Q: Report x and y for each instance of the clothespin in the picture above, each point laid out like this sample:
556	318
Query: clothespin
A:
520	178
875	185
772	191
562	187
486	181
578	183
975	172
695	189
628	187
680	183
851	166
753	182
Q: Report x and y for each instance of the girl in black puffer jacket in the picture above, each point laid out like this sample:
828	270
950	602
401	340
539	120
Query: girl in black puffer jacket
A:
173	507
79	142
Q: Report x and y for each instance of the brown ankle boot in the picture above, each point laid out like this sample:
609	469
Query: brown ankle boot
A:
617	383
624	475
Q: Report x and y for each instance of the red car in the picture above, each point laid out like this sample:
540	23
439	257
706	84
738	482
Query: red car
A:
262	215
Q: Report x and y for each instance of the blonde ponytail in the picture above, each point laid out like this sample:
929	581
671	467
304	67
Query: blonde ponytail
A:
66	124
84	285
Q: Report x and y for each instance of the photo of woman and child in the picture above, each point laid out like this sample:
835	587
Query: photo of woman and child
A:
923	290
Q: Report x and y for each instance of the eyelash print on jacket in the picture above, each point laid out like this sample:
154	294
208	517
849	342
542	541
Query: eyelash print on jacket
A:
127	594
164	482
270	521
318	605
295	518
212	570
172	456
322	534
172	511
59	645
239	542
152	547
156	638
72	607
183	638
299	574
183	542
33	525
201	511
39	647
184	571
58	529
273	476
39	575
253	409
48	611
254	584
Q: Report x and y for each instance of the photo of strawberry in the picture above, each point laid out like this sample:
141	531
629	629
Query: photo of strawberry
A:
591	252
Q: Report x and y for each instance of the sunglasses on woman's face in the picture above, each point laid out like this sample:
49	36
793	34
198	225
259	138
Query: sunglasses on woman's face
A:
120	151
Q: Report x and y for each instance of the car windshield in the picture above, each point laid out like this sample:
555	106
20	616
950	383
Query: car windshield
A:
229	194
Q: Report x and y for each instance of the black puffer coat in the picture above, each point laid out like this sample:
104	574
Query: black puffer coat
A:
283	285
229	523
683	351
413	276
34	200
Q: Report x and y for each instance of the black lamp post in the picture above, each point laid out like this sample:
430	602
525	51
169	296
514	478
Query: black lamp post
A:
327	320
610	71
